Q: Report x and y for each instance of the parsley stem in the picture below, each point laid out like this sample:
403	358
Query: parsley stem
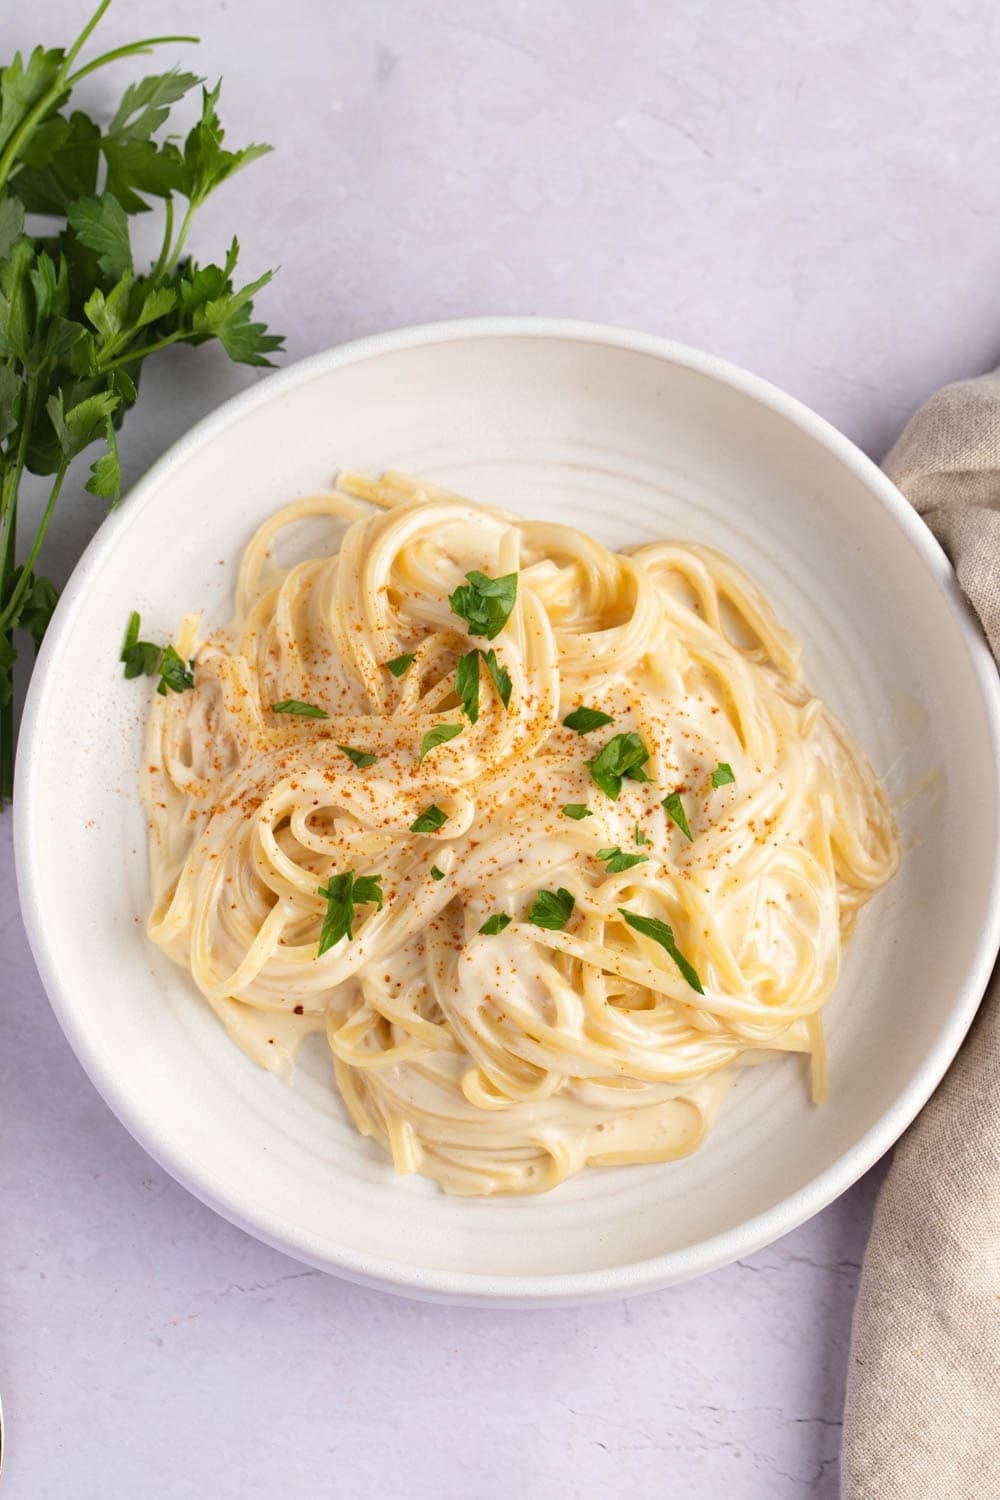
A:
9	611
168	230
63	83
8	519
8	495
132	49
185	226
131	355
47	102
74	51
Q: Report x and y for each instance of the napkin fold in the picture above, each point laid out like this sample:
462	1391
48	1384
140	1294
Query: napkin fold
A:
922	1415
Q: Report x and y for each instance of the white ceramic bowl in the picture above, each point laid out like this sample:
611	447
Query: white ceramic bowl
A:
631	438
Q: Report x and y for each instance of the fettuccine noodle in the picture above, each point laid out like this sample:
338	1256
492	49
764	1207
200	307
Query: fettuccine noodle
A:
502	1061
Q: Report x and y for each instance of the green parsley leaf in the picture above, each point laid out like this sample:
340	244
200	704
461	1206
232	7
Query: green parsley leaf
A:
495	924
145	105
36	606
436	874
11	393
500	676
173	673
623	755
227	318
101	225
83	424
439	735
615	861
141	658
11	223
295	706
21	88
343	893
206	163
59	163
723	774
400	664
143	165
584	719
8	656
552	909
106	472
640	837
675	810
485	603
429	821
577	810
368	890
467	684
361	758
663	933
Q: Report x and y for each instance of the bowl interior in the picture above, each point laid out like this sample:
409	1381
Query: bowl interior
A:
631	446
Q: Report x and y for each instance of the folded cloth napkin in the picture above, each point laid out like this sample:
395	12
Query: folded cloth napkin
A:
922	1417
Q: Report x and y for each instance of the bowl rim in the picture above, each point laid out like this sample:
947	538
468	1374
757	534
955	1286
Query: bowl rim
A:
427	1282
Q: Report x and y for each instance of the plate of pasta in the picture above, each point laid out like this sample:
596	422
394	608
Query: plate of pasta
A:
533	836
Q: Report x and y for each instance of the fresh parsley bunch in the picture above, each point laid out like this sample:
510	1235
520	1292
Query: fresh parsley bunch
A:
77	317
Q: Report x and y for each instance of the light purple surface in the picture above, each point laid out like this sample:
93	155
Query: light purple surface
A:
804	189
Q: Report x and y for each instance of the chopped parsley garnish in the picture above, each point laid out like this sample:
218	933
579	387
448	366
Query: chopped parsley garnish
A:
361	758
495	924
723	774
342	895
623	755
429	821
552	909
467	681
436	874
577	810
485	603
584	719
400	664
500	675
640	837
439	735
305	710
615	861
467	684
663	933
141	658
675	810
174	674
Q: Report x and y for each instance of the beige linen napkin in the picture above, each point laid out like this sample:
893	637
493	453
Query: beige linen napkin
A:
922	1418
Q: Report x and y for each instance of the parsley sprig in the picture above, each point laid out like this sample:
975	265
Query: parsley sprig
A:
663	933
77	315
495	924
342	895
361	758
439	735
615	861
584	719
485	603
623	755
430	820
674	809
145	659
552	909
467	681
296	706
